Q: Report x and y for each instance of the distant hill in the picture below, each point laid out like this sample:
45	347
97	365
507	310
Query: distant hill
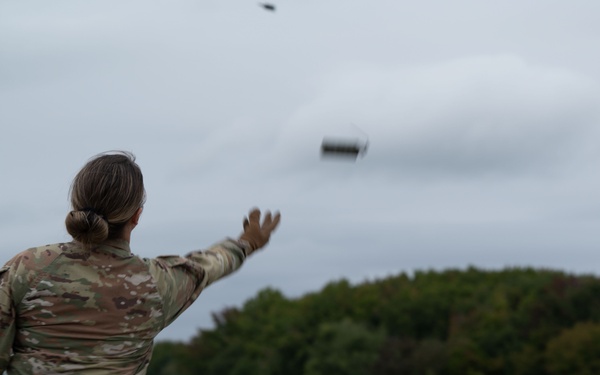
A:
463	322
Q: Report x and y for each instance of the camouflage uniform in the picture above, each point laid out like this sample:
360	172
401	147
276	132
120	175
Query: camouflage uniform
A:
64	309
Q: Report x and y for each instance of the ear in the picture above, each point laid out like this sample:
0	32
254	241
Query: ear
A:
136	217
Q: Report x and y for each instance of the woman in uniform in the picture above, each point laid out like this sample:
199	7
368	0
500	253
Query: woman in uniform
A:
90	306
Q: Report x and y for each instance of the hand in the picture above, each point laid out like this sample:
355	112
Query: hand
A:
256	235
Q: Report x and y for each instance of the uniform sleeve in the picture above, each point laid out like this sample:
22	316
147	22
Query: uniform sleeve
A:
7	319
15	278
180	280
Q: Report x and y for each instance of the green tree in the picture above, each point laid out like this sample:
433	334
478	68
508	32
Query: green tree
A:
576	351
344	348
463	322
170	358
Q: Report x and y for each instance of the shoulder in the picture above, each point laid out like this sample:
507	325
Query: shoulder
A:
165	261
37	258
42	254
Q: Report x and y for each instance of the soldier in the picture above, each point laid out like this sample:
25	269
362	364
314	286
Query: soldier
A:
92	307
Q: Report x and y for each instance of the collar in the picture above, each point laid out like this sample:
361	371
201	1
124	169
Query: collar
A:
116	246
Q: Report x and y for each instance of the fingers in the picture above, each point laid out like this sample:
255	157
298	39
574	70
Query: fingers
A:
270	222
254	216
266	224
257	234
276	221
273	222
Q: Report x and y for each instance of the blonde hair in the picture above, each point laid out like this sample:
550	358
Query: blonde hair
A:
105	194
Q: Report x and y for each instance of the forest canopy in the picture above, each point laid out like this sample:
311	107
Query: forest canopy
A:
464	322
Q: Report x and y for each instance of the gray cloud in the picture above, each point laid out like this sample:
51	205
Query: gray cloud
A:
472	116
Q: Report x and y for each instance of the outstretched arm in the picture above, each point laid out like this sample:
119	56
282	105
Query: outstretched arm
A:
182	279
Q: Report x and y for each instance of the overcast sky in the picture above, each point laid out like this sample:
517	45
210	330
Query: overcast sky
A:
482	120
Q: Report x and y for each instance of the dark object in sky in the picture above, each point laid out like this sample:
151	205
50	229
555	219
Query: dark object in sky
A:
268	6
347	148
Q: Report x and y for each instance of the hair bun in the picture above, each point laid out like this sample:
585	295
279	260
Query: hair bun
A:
87	226
89	211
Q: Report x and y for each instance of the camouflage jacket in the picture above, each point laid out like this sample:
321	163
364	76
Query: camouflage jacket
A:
64	309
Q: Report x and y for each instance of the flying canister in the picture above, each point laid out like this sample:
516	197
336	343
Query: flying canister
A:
343	147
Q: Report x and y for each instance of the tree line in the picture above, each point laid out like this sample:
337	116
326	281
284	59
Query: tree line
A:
517	321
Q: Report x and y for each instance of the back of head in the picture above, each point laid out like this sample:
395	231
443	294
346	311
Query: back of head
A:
105	194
